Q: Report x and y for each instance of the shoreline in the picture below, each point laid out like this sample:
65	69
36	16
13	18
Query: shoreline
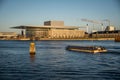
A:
48	39
83	39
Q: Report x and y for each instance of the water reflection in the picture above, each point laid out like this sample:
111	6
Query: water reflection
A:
32	57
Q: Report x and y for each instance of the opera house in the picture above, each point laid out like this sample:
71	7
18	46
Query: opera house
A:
52	30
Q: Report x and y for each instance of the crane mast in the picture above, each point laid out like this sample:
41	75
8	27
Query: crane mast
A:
93	21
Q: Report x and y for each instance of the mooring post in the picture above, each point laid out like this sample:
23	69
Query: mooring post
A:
32	48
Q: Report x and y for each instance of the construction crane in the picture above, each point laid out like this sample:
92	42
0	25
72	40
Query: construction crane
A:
93	21
85	27
107	21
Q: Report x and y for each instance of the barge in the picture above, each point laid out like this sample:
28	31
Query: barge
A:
89	49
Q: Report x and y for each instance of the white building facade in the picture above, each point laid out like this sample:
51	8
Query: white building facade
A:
53	30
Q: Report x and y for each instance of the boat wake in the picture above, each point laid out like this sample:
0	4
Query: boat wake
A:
115	51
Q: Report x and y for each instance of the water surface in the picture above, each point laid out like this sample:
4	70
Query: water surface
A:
53	62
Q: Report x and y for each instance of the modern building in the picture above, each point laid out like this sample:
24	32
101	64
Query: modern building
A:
52	30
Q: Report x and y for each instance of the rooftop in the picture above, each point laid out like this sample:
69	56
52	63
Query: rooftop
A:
49	25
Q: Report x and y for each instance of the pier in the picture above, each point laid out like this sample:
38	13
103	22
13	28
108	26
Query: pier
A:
117	39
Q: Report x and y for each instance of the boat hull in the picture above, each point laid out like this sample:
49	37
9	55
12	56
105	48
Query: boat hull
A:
88	49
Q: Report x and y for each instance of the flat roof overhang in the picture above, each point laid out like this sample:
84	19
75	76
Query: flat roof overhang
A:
46	27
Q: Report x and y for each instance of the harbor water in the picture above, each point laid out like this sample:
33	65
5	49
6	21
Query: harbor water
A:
53	62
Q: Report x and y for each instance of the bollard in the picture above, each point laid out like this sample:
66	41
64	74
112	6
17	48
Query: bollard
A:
32	48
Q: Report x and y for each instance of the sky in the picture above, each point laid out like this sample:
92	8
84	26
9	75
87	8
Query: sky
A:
35	12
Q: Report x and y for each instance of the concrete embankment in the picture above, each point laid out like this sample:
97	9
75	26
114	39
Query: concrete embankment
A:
65	39
117	39
81	39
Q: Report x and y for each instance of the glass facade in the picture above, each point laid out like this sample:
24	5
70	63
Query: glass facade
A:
54	33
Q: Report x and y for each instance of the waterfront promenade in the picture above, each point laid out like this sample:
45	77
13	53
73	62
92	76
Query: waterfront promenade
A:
61	39
81	39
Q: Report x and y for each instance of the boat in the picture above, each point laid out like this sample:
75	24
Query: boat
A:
89	49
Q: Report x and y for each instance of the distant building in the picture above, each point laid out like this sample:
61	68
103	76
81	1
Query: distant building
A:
110	28
7	35
109	32
54	23
53	30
